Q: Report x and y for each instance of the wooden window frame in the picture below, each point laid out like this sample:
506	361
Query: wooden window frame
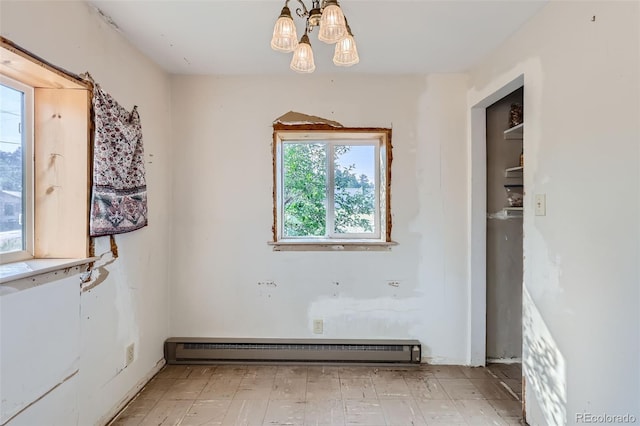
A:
62	128
284	132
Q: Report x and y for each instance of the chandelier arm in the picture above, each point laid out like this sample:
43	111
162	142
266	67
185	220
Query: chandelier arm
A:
300	12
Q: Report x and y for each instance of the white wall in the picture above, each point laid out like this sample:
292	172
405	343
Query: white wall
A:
581	260
223	214
40	343
130	305
581	147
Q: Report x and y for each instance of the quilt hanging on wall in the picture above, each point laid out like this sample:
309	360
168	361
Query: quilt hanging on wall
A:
119	192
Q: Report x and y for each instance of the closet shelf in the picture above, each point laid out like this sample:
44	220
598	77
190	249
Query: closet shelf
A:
513	211
515	132
513	172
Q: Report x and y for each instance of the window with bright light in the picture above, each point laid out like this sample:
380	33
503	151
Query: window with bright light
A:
45	127
16	221
332	186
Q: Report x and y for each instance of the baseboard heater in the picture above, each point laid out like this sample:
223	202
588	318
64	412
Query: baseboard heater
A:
186	350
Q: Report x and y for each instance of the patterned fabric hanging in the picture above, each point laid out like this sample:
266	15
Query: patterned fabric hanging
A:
119	193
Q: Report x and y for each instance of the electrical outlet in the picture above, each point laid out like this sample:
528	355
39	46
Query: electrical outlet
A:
129	354
318	326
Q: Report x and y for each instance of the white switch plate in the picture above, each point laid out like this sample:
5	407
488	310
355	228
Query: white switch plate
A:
541	204
317	326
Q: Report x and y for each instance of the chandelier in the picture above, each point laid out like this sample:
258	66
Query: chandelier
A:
333	29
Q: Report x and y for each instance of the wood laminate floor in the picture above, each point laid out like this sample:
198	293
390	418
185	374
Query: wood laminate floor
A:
256	395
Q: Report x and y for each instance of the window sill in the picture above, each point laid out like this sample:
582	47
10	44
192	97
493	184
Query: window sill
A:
362	245
11	273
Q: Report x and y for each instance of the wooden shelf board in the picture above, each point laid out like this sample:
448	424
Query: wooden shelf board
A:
514	211
514	133
513	172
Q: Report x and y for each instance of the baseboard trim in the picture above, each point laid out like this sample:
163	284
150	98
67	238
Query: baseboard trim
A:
108	418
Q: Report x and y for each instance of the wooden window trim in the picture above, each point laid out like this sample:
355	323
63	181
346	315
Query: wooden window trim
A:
22	65
338	244
62	172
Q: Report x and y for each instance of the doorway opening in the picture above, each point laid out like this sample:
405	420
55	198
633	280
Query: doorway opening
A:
505	189
490	339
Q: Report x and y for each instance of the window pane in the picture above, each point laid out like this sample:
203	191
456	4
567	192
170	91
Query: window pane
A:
354	189
12	230
304	189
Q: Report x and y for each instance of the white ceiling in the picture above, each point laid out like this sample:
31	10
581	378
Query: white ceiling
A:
393	36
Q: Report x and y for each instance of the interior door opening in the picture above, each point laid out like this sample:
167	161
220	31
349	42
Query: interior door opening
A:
504	240
505	189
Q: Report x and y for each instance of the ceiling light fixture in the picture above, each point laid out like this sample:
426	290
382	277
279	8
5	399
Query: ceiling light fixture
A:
333	29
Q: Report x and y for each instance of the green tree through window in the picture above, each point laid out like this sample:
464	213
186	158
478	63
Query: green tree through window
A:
305	182
305	191
331	186
354	196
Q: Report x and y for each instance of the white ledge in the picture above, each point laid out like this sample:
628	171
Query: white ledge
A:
324	245
30	268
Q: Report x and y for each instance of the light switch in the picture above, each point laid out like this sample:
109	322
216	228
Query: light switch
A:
541	204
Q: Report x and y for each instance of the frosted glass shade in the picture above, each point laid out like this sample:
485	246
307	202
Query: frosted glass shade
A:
284	38
302	60
346	53
332	24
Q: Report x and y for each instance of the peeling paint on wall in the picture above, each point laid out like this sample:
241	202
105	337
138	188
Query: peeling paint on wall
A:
105	259
108	19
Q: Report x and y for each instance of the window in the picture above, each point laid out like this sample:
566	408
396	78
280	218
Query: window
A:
16	122
44	159
332	186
